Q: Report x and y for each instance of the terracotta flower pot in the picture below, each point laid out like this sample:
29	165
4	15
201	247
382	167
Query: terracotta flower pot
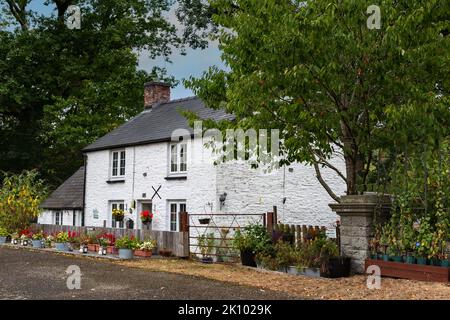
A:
93	247
143	253
111	250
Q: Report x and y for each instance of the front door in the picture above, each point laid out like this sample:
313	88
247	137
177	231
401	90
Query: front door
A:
143	207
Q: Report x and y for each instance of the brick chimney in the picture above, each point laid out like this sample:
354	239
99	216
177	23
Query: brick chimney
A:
156	92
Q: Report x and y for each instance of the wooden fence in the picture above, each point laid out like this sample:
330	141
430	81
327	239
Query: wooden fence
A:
177	242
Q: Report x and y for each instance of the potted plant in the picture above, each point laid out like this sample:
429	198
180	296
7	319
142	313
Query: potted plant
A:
249	241
93	245
204	220
165	252
49	240
37	239
206	244
118	214
285	257
146	217
61	241
145	249
3	235
126	246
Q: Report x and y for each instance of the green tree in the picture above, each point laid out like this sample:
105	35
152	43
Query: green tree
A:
314	70
61	89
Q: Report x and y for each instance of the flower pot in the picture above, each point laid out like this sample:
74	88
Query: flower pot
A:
410	259
37	244
379	256
374	256
143	253
111	250
207	260
309	272
2	240
248	258
435	262
385	257
61	246
335	267
445	263
292	270
421	260
126	254
93	247
397	258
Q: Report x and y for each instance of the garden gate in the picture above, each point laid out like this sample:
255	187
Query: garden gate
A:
220	228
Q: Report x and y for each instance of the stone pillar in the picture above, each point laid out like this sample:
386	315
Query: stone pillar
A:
357	214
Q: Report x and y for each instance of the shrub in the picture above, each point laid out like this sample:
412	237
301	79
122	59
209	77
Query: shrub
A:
62	237
20	196
253	237
3	232
206	243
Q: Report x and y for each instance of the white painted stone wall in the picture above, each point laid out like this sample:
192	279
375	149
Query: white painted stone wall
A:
48	217
248	190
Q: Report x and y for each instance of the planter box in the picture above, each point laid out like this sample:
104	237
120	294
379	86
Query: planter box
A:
62	246
309	272
411	271
337	267
93	247
2	240
142	253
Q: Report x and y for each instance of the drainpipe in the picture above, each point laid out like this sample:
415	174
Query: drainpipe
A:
84	190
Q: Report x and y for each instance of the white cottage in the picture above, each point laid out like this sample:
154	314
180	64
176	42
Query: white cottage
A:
139	166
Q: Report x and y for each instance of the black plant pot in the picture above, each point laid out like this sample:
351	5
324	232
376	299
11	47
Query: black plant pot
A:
335	267
248	258
207	260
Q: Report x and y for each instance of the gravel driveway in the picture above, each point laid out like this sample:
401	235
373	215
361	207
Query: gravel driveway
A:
41	275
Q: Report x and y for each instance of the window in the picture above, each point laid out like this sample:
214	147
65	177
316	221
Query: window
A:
175	207
58	218
114	223
118	164
178	158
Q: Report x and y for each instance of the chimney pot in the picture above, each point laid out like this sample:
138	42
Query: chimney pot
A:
156	92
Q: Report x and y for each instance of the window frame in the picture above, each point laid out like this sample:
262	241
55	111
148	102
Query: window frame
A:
59	218
180	160
118	165
178	205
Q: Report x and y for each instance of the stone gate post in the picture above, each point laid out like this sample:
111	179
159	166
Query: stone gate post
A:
357	214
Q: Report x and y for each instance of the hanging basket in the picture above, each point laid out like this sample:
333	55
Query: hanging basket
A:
146	222
204	220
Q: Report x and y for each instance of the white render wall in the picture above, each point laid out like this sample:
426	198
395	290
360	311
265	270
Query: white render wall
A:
248	190
48	217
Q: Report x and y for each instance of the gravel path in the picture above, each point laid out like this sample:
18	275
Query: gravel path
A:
42	275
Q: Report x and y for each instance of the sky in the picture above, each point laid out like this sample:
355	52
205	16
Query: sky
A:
182	67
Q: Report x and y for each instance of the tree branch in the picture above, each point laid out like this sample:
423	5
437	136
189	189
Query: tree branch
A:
324	184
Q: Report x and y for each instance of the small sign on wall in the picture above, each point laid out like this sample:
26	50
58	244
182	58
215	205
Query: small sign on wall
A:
95	214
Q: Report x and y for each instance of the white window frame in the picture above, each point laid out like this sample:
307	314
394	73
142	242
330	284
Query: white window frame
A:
121	157
175	224
113	205
59	218
178	158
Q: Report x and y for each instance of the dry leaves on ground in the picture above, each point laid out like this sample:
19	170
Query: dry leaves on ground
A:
303	287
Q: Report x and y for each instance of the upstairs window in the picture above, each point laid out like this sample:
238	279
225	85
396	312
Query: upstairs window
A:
118	164
178	158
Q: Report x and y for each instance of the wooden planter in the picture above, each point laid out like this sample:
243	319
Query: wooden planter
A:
411	271
143	253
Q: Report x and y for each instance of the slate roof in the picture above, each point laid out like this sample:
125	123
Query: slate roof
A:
156	124
69	195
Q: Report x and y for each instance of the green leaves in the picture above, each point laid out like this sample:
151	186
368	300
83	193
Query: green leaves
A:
318	74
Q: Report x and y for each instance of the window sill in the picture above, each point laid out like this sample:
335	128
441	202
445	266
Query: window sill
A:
111	181
176	178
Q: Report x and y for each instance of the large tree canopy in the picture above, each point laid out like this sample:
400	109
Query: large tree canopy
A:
314	70
60	89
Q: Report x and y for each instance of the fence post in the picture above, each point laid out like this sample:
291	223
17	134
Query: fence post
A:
269	221
275	215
